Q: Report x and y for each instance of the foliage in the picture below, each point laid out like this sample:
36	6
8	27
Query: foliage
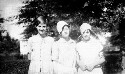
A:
8	45
108	15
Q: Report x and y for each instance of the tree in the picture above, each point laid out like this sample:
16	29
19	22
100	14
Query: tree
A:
105	14
7	44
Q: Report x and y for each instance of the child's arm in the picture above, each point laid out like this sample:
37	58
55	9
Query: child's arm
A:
29	47
82	66
55	52
96	63
99	58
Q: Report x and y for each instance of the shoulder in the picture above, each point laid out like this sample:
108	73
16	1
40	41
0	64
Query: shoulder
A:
79	43
79	47
55	45
95	41
32	38
98	44
50	38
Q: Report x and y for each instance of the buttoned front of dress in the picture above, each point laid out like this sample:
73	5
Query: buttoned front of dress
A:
65	55
40	53
67	52
88	52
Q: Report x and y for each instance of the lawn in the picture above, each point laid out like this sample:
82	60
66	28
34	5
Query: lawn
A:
18	65
13	65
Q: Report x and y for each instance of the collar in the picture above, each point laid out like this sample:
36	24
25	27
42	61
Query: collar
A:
40	36
62	40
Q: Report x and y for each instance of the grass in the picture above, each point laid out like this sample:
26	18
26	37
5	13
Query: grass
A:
14	67
18	65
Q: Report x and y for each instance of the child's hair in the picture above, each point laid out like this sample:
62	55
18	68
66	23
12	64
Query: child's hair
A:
93	34
64	26
37	22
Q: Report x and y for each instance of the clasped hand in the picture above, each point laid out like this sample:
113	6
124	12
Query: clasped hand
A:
88	67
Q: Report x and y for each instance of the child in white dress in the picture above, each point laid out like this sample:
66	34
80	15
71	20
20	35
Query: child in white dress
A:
89	50
63	51
40	51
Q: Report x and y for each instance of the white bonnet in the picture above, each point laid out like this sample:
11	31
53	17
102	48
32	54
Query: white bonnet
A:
60	25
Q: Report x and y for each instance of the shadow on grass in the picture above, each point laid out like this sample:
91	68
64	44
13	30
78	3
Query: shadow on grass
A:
113	63
13	65
18	65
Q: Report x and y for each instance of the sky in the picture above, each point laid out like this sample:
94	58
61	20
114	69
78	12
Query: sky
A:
9	8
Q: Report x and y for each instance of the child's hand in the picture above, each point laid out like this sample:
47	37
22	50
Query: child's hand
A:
82	66
90	67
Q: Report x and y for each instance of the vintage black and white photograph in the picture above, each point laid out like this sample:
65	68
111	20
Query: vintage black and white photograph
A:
62	37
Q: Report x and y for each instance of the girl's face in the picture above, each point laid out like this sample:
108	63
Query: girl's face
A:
65	32
41	28
86	35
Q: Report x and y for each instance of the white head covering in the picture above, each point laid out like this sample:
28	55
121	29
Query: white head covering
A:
85	26
60	25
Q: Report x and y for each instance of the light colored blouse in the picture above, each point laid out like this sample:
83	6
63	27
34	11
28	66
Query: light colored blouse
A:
64	52
89	51
40	48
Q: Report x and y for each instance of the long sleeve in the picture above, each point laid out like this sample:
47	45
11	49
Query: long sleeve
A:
80	60
75	57
55	51
29	48
100	58
77	60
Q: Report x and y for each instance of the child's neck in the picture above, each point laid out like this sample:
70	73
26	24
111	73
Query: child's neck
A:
42	35
86	40
66	38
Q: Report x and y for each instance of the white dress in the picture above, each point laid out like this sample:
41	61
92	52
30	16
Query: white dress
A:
88	52
40	49
64	53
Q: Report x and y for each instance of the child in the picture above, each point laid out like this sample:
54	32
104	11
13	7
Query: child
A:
63	51
40	50
89	50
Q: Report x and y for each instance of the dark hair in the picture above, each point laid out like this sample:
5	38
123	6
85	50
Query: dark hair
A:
39	19
93	34
64	26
